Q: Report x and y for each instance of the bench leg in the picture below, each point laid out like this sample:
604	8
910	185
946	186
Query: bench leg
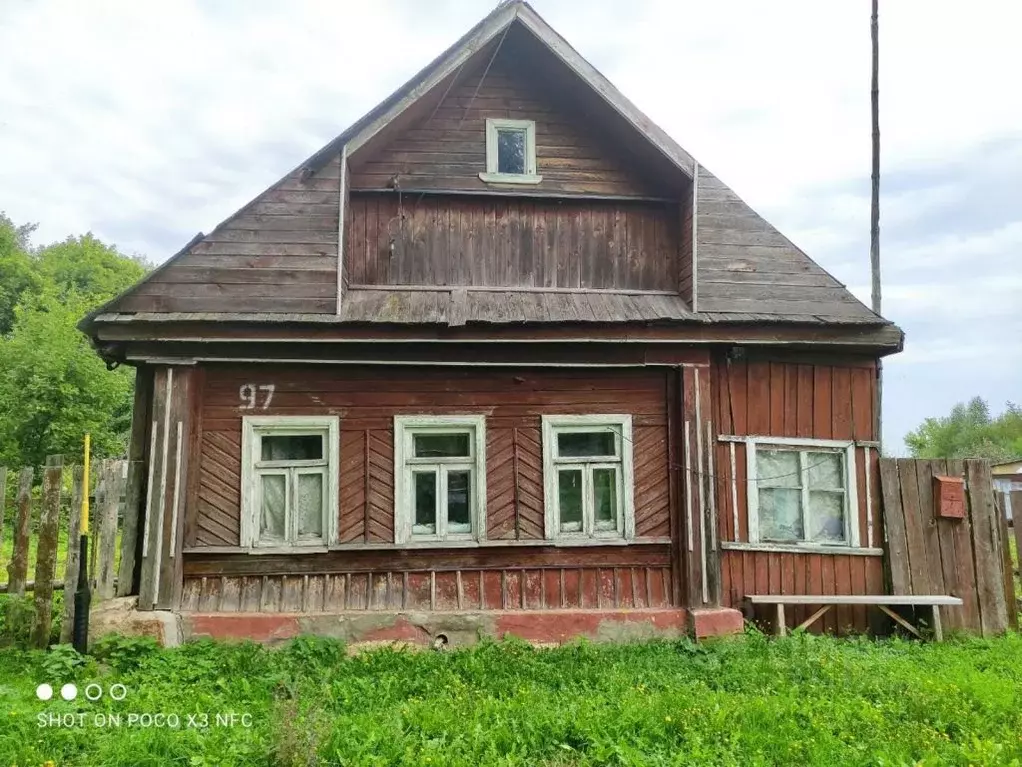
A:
814	617
782	626
900	621
938	631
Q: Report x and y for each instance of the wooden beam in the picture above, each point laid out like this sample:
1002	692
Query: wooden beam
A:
901	621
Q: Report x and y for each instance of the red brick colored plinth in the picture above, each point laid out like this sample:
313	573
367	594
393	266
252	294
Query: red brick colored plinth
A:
268	627
715	621
556	627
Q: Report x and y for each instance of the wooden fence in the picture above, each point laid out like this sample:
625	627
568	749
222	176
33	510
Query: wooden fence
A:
40	520
966	556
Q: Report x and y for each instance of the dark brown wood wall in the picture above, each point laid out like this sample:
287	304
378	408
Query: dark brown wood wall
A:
278	254
820	398
367	399
511	241
447	148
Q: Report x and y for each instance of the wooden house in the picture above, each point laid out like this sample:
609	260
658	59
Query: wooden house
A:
500	358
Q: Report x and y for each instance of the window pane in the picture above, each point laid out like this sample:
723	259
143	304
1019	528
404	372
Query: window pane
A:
304	447
585	444
271	516
605	497
459	488
780	515
442	445
826	516
425	501
310	506
569	495
511	151
826	470
777	468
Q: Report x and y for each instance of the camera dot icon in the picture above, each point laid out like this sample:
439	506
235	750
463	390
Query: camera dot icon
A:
44	692
69	692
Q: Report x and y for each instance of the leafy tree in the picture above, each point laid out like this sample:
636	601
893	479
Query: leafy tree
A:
969	432
53	387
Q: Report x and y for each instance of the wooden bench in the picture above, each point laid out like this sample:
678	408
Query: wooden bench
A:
882	601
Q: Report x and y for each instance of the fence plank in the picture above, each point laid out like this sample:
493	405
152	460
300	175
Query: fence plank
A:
17	569
3	500
1006	564
107	540
965	559
74	533
894	524
46	551
1016	506
954	617
98	497
917	560
129	528
993	611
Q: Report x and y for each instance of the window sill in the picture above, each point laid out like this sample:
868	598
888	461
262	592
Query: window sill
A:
509	178
587	543
795	548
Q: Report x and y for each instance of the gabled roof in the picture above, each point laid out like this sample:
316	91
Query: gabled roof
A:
746	271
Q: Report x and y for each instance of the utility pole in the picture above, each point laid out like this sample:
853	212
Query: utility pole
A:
874	217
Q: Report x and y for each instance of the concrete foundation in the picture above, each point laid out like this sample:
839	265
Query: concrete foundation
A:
122	616
458	629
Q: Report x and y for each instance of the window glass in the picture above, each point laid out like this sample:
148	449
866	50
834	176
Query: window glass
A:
778	468
511	151
442	445
605	498
826	516
780	514
303	447
569	490
826	470
310	505
587	444
274	503
458	496
425	501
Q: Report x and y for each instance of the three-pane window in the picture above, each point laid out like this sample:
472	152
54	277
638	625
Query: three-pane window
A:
439	477
587	471
289	487
802	493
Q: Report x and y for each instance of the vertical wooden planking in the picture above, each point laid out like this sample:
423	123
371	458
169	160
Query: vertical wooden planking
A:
1016	506
73	550
919	568
46	551
805	399
822	385
777	398
759	398
789	426
106	539
862	403
924	490
940	541
844	617
17	568
138	457
1009	570
738	395
985	544
841	403
965	559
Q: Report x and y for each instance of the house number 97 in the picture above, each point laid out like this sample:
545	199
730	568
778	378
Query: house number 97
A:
256	396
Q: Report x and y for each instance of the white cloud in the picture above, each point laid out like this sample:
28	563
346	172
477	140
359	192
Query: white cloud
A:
145	122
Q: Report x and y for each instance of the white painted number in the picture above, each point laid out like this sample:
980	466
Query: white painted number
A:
249	396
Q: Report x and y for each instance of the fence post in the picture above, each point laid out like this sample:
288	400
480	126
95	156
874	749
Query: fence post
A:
129	528
74	532
3	500
1009	569
46	551
106	541
17	570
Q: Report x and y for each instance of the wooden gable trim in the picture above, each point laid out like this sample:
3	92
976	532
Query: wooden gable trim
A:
477	39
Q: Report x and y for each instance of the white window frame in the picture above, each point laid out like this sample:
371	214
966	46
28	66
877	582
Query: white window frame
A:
621	426
405	427
252	429
492	174
821	445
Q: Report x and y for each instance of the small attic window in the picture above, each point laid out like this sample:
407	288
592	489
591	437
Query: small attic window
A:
510	152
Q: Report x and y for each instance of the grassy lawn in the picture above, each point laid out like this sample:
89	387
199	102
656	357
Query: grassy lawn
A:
746	701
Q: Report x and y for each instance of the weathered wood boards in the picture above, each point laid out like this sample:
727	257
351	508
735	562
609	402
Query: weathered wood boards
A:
925	554
73	553
17	569
46	553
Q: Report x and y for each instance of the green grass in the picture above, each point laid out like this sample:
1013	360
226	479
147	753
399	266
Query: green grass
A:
748	701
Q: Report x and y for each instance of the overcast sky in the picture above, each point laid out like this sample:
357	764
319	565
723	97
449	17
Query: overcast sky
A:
147	122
